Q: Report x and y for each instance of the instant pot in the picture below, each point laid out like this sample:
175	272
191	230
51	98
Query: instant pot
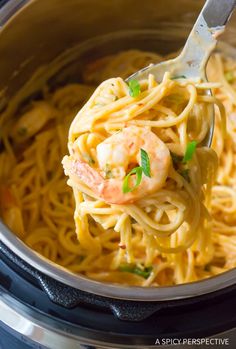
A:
43	305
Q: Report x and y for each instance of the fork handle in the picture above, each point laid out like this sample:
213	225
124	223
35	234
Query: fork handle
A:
203	37
217	12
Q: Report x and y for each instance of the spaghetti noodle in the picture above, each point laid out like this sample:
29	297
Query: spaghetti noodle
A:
161	238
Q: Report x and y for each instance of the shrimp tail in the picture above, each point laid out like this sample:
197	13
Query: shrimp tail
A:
109	190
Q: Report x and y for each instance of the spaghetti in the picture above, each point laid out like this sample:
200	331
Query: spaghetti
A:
162	238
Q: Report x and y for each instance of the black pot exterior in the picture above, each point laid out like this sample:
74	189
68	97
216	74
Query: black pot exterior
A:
70	298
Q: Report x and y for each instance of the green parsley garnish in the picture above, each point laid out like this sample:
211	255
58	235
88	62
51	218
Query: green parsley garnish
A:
134	88
138	171
131	268
145	163
229	76
178	77
191	147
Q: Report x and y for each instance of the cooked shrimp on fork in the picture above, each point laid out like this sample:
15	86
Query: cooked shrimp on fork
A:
117	156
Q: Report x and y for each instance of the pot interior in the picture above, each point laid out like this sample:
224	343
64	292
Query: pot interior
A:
55	51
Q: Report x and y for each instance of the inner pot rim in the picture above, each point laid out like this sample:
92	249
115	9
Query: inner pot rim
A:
160	293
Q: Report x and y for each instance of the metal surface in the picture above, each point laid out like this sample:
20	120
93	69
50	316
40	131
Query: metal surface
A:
27	310
36	330
41	45
192	62
217	13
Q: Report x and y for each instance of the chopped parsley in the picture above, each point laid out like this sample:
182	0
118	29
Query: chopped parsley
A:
178	77
131	268
145	163
134	88
190	150
138	171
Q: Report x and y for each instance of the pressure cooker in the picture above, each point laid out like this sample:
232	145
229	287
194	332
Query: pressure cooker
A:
43	305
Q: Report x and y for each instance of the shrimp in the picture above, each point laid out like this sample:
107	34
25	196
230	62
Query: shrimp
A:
10	211
117	155
32	121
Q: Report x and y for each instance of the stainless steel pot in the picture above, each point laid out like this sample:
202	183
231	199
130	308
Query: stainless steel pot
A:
38	32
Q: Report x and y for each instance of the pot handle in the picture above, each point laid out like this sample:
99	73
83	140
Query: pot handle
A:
69	297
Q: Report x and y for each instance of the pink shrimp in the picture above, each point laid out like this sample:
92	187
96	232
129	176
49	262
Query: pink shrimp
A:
120	153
